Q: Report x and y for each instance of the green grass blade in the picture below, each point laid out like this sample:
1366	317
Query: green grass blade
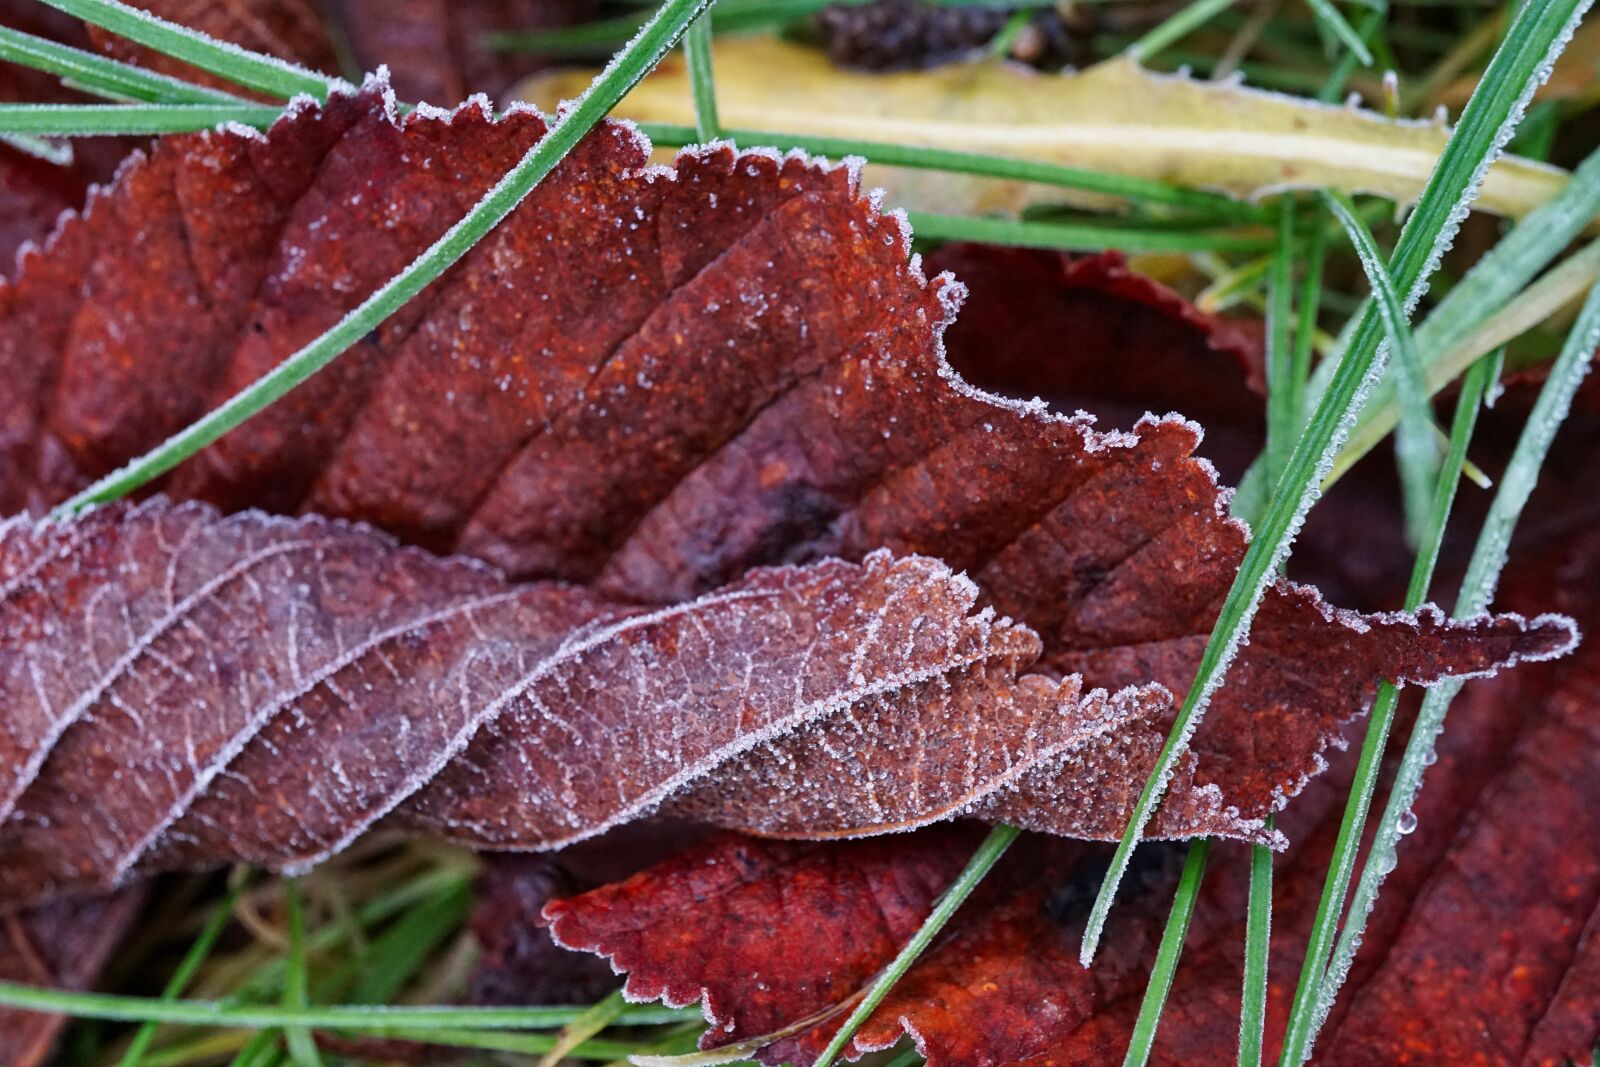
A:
365	1018
660	35
1281	405
1335	24
1078	237
729	16
986	166
1188	18
594	1019
198	951
260	1051
1310	300
102	76
393	959
296	995
1523	59
994	846
1414	449
1333	86
404	897
1477	590
702	80
266	74
100	120
1257	951
1489	287
1166	964
1303	1018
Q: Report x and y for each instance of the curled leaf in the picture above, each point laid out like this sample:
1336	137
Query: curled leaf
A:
1466	958
183	689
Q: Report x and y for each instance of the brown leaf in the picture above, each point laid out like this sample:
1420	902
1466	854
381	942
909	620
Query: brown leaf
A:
62	944
509	716
736	366
1467	959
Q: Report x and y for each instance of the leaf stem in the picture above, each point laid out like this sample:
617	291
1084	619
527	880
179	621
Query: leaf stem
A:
625	70
988	853
1540	29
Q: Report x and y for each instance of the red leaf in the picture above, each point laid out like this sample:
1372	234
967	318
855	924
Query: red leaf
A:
737	366
63	944
1468	959
834	699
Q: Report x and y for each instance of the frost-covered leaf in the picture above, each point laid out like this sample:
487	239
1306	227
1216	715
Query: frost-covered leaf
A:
1468	958
185	689
1113	117
649	382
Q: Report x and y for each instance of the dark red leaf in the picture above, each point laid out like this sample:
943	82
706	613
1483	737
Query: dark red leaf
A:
646	382
743	369
63	944
339	678
1468	958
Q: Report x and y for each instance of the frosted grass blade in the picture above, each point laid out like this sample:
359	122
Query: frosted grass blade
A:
266	74
1522	61
1477	591
1341	865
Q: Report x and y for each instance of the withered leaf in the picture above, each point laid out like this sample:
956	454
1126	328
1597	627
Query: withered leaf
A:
648	382
185	689
63	944
1467	959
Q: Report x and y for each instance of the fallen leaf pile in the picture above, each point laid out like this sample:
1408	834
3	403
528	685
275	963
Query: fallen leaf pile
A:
700	422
